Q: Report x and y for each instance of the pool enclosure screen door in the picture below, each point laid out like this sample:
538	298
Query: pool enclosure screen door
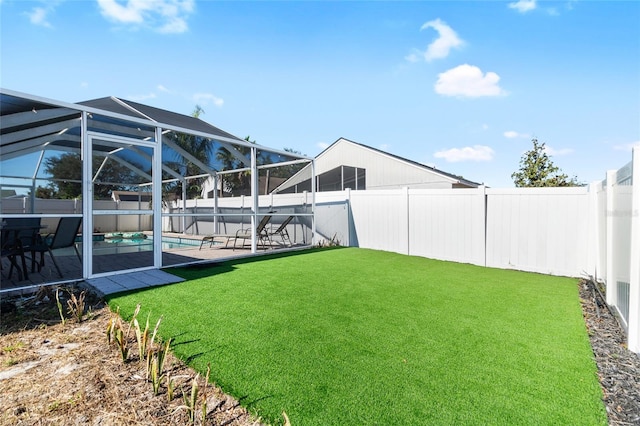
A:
120	205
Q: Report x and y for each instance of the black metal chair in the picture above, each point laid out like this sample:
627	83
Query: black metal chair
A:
65	236
17	237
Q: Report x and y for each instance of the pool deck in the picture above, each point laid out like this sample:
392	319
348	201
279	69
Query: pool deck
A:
71	266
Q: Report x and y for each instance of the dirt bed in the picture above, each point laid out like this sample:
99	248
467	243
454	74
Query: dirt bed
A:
55	374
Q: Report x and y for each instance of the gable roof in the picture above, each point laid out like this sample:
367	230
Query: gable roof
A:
302	175
460	179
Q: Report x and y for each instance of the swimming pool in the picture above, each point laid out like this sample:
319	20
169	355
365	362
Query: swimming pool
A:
104	246
168	243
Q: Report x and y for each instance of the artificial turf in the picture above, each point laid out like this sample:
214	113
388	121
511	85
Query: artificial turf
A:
352	336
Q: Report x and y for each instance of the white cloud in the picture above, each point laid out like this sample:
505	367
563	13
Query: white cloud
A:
447	39
174	26
512	134
468	80
468	153
38	16
485	127
323	145
523	6
441	46
556	152
208	98
165	16
161	88
627	146
84	84
131	13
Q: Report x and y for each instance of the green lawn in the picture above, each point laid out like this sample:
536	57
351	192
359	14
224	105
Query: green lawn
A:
352	337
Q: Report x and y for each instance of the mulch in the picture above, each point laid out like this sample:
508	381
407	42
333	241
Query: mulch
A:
618	367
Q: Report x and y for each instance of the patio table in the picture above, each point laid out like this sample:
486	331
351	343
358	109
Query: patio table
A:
13	247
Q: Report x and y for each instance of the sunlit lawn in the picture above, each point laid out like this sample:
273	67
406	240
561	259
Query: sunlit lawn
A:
354	336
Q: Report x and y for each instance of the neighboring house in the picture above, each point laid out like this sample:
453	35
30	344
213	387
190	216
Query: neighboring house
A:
144	197
266	185
347	164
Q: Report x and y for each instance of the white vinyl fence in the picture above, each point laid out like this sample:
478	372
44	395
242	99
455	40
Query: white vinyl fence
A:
589	231
618	241
531	229
106	223
225	216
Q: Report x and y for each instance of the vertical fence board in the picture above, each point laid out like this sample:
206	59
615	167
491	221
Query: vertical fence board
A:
634	259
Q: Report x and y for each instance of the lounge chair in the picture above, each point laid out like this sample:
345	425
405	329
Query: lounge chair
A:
65	236
211	239
245	234
282	231
241	234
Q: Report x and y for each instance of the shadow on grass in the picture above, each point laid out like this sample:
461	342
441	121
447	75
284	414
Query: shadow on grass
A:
175	343
220	267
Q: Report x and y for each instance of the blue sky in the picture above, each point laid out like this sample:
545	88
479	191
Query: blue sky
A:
462	86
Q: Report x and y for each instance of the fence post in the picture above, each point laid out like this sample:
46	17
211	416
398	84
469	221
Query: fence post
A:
485	212
405	192
634	273
593	240
612	291
350	225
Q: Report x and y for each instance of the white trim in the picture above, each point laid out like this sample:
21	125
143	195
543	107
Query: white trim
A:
634	273
157	200
87	249
612	291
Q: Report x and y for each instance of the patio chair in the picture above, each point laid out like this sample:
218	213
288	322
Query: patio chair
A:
65	236
282	231
241	234
245	234
18	236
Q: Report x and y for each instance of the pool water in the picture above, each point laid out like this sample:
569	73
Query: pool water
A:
118	246
168	243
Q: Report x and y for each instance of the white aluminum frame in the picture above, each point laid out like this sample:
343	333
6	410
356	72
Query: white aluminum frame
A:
87	195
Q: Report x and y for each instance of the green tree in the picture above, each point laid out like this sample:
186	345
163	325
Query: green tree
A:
198	146
290	170
66	169
66	172
537	170
240	182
